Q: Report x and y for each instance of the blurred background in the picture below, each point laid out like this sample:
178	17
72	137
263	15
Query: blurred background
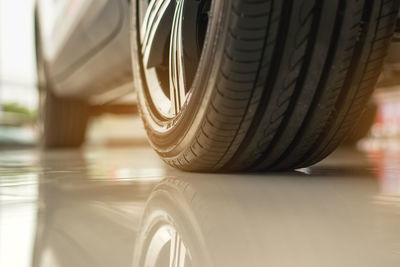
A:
18	94
18	87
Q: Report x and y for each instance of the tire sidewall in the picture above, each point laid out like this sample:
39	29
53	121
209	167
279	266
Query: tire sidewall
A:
171	137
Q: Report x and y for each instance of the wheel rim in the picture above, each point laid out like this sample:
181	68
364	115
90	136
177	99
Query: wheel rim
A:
172	34
167	247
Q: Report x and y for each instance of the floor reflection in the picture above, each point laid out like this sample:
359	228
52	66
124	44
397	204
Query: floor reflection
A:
124	207
91	205
270	221
385	156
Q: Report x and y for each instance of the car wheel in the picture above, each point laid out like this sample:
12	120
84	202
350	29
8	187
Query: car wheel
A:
62	121
252	85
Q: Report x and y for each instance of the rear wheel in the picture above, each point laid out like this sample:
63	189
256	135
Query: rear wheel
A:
63	121
252	85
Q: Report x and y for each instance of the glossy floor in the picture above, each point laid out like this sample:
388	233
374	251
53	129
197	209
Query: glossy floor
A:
124	207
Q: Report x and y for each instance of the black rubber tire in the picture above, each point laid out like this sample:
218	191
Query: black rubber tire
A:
363	125
62	121
279	83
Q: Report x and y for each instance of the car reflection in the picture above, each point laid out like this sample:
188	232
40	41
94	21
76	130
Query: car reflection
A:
324	216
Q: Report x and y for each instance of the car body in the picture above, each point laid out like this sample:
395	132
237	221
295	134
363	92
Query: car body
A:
85	46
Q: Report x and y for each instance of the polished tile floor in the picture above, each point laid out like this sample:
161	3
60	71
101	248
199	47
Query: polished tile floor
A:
125	207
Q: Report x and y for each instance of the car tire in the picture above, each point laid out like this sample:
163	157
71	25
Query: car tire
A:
62	121
363	125
275	85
